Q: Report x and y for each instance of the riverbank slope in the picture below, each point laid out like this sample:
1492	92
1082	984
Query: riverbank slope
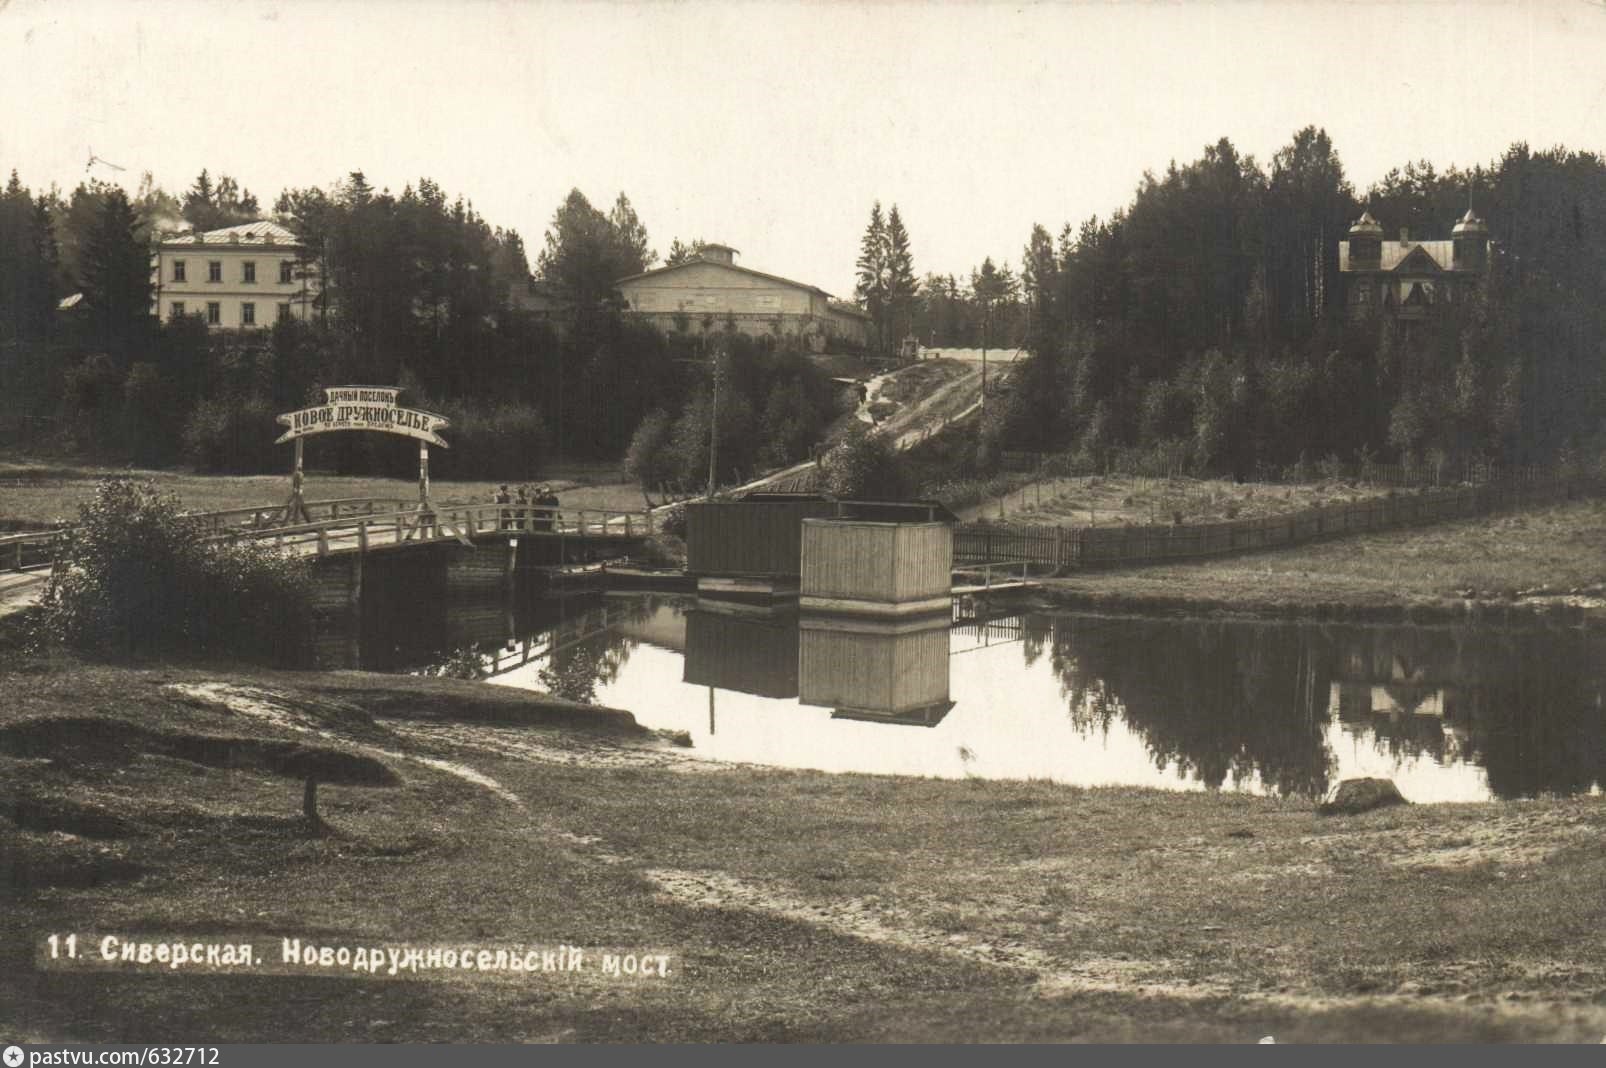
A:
1516	566
794	905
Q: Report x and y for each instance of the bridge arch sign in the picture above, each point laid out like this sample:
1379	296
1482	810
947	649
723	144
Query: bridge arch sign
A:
371	408
363	408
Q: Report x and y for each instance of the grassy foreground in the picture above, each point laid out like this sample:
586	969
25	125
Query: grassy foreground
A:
795	906
1547	558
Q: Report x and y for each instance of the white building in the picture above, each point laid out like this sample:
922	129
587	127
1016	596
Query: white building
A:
242	277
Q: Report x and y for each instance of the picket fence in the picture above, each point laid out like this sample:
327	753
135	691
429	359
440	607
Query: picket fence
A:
1083	547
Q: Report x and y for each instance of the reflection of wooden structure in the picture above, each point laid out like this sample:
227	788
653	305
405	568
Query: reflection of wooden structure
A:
743	651
891	671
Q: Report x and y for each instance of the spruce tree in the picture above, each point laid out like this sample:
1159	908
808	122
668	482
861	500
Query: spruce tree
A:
117	278
871	290
901	285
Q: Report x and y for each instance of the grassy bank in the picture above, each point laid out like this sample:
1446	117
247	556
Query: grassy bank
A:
1119	500
1547	558
796	905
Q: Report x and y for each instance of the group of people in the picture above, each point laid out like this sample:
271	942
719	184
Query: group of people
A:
520	506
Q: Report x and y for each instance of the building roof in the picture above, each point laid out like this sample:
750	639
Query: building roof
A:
842	307
723	267
261	232
1470	224
1366	225
1395	253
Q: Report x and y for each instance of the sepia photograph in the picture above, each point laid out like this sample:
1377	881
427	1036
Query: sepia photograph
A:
800	522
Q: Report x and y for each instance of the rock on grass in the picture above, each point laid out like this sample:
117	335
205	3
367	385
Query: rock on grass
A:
1361	795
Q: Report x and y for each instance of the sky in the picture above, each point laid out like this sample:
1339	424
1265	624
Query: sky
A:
773	127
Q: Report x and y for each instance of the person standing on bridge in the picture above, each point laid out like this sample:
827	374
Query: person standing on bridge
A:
521	511
549	500
502	498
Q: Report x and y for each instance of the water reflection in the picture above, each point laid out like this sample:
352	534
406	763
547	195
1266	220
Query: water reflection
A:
1449	713
879	671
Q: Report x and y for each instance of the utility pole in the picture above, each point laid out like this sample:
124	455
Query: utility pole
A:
986	321
713	422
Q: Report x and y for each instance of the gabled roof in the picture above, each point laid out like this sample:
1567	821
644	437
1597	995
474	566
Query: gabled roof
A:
1394	254
723	267
261	232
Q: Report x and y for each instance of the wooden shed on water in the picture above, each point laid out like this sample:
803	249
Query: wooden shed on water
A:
879	559
752	546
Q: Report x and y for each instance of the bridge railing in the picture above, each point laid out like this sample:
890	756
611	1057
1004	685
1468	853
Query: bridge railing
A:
264	517
28	550
365	530
362	522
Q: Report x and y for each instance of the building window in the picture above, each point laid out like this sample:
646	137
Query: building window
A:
284	313
248	271
214	271
214	313
286	275
176	310
178	271
248	314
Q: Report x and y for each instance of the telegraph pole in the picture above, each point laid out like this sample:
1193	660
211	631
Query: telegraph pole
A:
986	321
713	422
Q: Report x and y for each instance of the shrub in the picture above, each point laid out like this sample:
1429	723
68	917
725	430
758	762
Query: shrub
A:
865	466
138	577
233	434
673	521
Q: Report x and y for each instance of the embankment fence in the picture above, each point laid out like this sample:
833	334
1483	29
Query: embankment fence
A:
1084	547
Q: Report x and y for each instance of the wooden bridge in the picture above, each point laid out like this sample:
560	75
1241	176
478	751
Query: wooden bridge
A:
345	531
362	524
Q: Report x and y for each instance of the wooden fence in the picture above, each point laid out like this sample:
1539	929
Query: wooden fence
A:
1079	547
1163	467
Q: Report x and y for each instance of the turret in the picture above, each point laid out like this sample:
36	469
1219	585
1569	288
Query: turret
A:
714	253
1471	239
1365	242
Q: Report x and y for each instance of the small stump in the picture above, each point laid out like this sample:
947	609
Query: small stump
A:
1354	796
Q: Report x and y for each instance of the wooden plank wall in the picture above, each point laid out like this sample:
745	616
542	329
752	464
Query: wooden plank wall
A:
748	538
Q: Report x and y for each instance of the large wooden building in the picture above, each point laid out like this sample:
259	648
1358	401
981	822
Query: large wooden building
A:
711	293
1405	278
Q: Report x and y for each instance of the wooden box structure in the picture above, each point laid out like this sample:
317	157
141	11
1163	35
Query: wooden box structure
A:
885	567
746	652
890	671
751	546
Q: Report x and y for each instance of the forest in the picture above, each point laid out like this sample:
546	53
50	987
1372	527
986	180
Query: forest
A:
1203	326
1200	328
416	289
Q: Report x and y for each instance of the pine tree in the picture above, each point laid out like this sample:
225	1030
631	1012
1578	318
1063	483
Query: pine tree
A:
900	274
871	290
683	253
630	236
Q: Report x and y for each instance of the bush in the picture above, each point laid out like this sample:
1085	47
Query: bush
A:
136	577
673	521
865	466
505	441
233	434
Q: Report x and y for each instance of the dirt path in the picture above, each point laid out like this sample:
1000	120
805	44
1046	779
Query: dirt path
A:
270	707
